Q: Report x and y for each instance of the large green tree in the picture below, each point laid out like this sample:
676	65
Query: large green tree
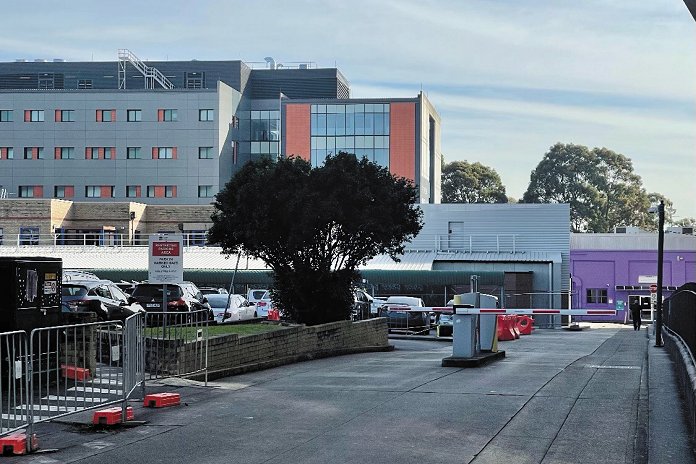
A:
464	182
599	184
314	226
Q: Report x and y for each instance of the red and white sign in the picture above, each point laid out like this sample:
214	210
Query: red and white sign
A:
653	288
166	260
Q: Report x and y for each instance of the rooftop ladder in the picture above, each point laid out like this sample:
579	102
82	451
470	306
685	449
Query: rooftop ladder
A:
150	73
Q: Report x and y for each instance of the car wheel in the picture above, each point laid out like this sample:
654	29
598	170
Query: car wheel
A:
255	315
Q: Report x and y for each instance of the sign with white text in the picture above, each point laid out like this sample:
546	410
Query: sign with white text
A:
166	259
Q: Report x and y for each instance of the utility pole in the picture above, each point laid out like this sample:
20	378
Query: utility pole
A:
660	258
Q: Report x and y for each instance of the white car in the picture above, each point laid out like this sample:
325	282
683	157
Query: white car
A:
256	294
230	308
264	304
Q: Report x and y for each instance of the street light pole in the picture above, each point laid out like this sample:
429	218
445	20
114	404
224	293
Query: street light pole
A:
660	258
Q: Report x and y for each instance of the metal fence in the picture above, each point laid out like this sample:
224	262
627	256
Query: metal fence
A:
57	371
679	314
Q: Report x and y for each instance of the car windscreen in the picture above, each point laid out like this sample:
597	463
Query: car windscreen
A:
217	301
155	291
258	294
73	290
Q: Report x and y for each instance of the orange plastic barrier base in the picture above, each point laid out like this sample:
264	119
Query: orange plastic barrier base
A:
76	373
161	400
16	443
111	416
513	325
273	315
524	324
504	330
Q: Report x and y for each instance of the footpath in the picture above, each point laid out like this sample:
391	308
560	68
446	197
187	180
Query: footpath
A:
601	395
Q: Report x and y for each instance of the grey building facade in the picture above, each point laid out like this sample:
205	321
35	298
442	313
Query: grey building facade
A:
109	131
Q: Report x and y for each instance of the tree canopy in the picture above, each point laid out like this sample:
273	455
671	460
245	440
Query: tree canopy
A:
464	182
599	184
314	226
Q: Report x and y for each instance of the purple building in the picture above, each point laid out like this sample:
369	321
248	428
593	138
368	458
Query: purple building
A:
609	271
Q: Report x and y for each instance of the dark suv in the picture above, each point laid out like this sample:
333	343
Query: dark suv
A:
101	297
181	297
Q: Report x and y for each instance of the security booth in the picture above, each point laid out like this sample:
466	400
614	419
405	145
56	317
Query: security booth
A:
31	289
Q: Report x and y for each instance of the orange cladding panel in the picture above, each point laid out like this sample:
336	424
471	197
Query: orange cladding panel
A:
297	130
402	140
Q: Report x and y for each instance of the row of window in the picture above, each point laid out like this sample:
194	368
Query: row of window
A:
7	153
108	115
109	191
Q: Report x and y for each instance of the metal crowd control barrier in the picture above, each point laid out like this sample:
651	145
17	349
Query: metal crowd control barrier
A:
176	344
57	371
14	389
406	320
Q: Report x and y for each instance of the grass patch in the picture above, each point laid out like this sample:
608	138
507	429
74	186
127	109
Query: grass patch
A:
191	333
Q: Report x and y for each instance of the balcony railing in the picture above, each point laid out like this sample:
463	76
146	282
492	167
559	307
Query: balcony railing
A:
480	243
91	239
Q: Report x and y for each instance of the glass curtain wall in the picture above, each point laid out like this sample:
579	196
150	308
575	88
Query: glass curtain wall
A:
361	129
265	133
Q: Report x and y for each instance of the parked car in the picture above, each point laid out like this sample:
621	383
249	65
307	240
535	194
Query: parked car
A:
101	297
213	291
256	294
231	307
362	303
375	305
444	325
404	320
181	297
264	304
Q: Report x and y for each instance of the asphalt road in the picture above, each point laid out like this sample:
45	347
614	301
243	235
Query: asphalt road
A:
557	397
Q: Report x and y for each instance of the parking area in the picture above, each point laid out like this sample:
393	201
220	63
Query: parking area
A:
558	396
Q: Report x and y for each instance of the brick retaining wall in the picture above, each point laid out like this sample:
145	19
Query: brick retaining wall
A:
233	354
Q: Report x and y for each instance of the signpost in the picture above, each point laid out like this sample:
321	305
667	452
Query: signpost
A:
166	262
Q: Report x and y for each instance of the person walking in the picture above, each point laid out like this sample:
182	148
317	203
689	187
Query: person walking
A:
635	315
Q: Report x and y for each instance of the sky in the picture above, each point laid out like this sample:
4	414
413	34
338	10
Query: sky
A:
509	78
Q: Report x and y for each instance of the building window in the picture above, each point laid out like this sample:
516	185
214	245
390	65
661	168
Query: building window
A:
28	235
133	153
65	115
63	191
165	153
206	115
265	125
205	191
34	153
205	152
6	116
100	153
65	152
99	191
166	115
161	191
33	115
361	129
30	191
134	115
597	295
106	115
6	153
84	84
195	238
132	191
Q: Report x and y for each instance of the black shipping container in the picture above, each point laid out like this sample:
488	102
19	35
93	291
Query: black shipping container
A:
30	293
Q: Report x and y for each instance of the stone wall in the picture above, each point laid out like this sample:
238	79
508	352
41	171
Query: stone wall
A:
233	354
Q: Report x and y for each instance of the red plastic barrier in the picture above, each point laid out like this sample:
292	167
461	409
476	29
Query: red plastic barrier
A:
273	315
513	324
161	400
16	443
111	416
504	333
76	373
524	325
